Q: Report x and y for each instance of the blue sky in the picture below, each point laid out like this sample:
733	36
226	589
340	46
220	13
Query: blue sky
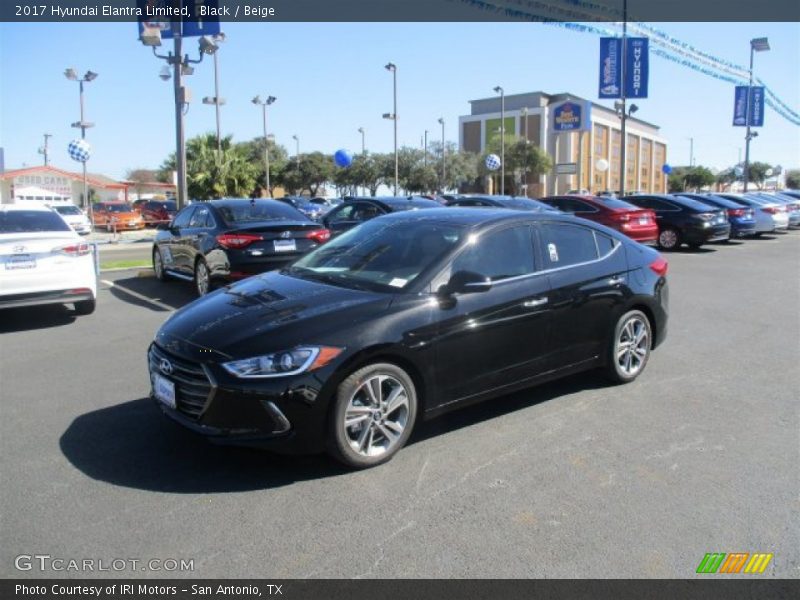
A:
329	80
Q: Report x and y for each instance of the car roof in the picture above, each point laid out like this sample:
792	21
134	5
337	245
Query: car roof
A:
477	216
14	207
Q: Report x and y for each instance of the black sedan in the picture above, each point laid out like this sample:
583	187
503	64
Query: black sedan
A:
355	211
405	317
682	219
513	202
220	241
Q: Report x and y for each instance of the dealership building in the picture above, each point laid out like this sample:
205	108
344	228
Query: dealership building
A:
583	138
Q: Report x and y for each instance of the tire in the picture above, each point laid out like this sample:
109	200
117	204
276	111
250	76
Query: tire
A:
85	307
696	246
158	265
629	347
669	238
381	420
202	278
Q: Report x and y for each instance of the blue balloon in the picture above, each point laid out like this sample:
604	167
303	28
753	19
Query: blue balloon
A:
342	158
666	169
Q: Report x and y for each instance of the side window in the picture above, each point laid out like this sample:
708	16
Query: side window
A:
366	211
182	218
555	203
605	243
564	244
199	218
641	201
499	254
343	214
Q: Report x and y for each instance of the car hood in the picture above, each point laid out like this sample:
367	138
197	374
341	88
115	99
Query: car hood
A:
267	313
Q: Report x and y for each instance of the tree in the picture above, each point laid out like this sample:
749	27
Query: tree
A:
793	179
727	177
278	159
522	158
461	168
316	168
212	174
757	173
699	177
140	178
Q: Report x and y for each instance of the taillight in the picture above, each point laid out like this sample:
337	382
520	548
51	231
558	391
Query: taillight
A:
621	217
659	266
237	241
773	210
705	216
81	249
737	212
319	235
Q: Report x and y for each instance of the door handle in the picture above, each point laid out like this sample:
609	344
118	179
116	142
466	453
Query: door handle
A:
616	280
534	303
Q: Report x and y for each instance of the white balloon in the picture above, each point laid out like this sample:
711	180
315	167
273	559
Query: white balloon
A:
769	172
601	165
492	162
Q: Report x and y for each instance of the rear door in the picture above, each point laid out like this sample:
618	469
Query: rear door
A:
173	250
588	274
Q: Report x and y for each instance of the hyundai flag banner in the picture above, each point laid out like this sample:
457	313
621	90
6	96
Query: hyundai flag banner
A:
756	106
740	106
610	67
636	68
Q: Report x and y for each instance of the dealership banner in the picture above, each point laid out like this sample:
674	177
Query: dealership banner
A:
756	106
637	67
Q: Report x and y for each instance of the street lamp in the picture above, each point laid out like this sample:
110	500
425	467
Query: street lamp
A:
623	114
297	149
72	75
181	65
363	143
210	47
257	100
500	91
444	153
756	45
393	116
425	150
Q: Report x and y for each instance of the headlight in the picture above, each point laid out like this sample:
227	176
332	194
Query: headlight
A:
282	364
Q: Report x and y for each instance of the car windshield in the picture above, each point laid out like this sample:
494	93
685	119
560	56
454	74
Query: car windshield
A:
68	210
380	255
21	221
120	208
257	211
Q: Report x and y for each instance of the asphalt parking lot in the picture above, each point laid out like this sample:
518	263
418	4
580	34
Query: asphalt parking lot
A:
573	479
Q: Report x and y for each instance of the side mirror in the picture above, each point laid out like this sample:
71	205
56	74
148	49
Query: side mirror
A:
163	226
466	282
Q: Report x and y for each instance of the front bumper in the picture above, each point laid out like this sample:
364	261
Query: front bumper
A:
287	414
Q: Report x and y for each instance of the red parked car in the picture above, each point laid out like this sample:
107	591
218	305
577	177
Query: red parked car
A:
637	223
158	211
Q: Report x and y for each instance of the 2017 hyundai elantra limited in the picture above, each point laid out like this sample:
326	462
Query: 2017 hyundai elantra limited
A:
405	317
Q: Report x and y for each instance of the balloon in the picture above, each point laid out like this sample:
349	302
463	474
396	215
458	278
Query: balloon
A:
601	165
79	150
342	158
769	172
492	162
666	169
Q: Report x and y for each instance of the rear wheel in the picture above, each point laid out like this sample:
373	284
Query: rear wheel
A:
630	346
669	238
373	415
85	307
202	278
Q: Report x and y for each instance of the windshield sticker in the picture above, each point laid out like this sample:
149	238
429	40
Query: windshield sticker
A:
551	249
398	282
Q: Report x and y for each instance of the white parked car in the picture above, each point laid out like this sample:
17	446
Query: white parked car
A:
44	261
74	217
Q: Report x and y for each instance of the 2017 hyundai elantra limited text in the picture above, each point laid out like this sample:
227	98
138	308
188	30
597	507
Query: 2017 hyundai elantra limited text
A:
405	317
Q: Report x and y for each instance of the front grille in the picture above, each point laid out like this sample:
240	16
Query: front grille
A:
192	386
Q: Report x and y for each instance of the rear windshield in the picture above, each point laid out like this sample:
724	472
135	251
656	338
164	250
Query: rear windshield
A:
68	210
254	212
695	204
717	201
611	202
21	221
121	208
398	204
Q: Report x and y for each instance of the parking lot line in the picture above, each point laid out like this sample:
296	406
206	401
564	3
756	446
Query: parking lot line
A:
137	295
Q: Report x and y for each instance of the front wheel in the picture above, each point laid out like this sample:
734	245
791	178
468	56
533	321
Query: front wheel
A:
629	348
202	278
373	415
158	265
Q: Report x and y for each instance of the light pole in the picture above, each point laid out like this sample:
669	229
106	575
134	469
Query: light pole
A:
623	114
45	150
502	93
181	65
425	150
691	152
525	134
363	142
216	100
297	149
756	45
72	75
393	116
444	153
264	105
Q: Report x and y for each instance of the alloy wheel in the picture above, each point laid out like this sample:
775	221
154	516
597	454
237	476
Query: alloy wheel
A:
376	415
202	279
632	346
158	264
668	239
